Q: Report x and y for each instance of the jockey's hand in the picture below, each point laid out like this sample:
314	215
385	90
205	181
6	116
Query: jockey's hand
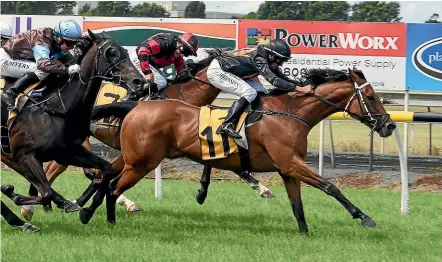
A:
73	69
304	89
149	77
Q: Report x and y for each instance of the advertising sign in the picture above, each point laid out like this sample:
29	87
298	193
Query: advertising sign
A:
378	49
424	57
130	32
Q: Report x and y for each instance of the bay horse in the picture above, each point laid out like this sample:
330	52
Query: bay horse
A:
152	131
190	86
55	128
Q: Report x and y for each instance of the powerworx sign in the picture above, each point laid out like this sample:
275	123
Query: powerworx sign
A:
339	40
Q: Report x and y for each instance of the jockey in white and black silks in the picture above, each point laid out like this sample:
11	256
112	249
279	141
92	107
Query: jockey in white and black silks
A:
228	71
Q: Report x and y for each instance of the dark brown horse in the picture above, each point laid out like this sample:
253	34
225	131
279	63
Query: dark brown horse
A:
155	130
190	86
55	129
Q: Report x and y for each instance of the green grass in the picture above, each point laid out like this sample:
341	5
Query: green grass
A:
233	225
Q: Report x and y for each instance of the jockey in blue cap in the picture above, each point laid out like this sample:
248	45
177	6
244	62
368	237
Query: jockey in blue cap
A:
30	56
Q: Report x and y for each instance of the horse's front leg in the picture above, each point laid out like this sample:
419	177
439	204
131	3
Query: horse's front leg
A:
14	221
295	167
32	170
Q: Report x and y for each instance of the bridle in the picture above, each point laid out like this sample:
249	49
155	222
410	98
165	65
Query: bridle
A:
108	64
366	116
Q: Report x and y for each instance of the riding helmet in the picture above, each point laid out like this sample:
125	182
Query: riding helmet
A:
190	44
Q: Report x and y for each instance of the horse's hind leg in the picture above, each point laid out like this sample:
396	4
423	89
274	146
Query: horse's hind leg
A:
293	187
15	221
256	184
201	193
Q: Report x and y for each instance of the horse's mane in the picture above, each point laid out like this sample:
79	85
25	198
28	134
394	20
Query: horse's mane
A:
193	68
318	76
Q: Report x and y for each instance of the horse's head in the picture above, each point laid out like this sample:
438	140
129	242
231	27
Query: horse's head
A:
113	63
366	106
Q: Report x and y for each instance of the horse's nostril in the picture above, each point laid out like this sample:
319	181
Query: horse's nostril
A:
391	126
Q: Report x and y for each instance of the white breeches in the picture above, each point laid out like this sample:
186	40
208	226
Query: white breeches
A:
158	77
18	68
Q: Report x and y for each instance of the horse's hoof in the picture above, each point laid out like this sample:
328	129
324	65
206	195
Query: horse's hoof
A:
30	228
47	208
7	189
71	207
201	196
85	216
267	194
134	208
27	213
367	222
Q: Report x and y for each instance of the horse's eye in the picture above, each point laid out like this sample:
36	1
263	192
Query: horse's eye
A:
112	52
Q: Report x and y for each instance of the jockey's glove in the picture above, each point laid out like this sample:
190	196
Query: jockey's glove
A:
73	69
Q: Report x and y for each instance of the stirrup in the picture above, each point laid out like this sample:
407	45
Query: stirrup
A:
231	132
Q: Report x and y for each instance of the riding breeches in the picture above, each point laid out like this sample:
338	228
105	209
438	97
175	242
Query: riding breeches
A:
18	68
158	77
229	82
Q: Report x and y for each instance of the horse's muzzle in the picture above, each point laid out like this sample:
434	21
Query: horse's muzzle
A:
387	129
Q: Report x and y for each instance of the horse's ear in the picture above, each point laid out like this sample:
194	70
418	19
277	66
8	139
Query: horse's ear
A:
354	68
349	71
93	36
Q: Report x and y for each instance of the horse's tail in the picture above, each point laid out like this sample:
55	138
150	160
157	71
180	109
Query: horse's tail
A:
116	110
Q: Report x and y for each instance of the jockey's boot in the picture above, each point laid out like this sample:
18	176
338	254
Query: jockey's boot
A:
8	97
235	112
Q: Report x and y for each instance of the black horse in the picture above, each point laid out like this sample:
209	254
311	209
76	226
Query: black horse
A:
55	129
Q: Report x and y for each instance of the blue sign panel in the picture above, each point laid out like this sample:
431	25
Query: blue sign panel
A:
424	57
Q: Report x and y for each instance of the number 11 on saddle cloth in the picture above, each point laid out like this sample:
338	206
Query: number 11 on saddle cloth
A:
214	146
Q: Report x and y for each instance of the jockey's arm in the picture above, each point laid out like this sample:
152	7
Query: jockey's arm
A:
143	55
281	75
179	64
44	62
272	78
76	53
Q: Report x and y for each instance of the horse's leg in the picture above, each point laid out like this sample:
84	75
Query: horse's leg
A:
297	168
256	184
133	171
32	170
14	221
118	166
293	187
80	156
88	172
52	171
201	194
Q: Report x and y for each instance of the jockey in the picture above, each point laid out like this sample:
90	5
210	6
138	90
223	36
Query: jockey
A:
29	56
227	72
158	51
6	32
